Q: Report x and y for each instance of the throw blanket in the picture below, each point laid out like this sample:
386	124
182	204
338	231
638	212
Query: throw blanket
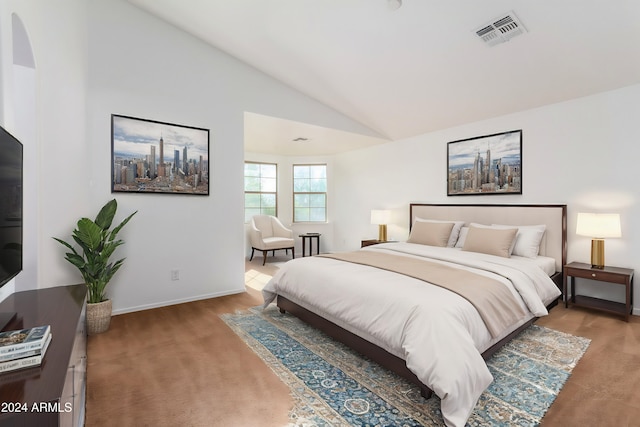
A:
494	302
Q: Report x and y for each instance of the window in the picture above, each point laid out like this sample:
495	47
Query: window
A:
309	193
260	189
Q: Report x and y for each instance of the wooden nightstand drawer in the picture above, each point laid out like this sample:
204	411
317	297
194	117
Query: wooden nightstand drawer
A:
605	276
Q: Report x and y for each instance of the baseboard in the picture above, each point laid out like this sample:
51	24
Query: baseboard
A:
174	302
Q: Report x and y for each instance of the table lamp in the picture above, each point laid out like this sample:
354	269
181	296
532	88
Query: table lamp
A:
381	218
598	227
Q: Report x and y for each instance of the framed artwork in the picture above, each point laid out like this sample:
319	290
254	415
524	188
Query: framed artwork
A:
148	156
490	164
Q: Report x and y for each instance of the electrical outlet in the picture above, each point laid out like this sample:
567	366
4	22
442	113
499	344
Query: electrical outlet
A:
175	274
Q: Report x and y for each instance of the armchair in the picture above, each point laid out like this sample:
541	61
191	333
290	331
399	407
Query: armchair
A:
268	234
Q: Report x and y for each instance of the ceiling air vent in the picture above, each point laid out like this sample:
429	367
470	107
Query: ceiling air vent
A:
501	29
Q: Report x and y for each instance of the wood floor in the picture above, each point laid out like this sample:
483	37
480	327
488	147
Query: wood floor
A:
182	366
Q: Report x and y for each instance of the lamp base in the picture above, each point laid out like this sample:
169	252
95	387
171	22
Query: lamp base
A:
597	253
382	232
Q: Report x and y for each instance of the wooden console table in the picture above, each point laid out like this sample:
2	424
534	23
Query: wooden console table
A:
52	394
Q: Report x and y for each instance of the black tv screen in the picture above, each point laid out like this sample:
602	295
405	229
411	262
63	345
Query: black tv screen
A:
10	206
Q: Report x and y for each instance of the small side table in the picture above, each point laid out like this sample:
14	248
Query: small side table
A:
617	275
310	237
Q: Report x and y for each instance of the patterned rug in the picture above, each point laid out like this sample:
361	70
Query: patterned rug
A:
334	386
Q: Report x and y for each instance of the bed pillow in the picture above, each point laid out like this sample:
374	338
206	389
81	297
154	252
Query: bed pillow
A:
528	239
492	241
462	237
430	233
455	231
513	243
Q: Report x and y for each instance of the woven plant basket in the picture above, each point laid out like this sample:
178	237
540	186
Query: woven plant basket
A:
98	317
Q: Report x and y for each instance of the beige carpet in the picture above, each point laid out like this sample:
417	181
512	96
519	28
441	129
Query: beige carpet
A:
182	365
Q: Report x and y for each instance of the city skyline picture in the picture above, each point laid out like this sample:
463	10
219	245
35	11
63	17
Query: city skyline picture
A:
149	156
489	164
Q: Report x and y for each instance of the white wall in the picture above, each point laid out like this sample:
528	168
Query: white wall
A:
56	167
142	67
582	153
105	56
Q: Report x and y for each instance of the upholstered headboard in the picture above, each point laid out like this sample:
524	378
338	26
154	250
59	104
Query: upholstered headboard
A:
554	243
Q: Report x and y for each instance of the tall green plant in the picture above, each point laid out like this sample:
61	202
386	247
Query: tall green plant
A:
97	243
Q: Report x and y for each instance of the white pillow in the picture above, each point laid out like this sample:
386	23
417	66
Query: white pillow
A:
528	239
455	231
462	237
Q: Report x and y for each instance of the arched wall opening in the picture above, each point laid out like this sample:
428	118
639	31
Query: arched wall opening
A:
23	123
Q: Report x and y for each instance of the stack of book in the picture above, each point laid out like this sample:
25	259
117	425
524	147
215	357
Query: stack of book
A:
23	348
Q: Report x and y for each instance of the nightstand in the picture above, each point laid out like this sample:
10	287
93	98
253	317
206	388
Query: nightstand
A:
370	242
620	276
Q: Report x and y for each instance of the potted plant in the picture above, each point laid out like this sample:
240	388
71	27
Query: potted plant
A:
97	243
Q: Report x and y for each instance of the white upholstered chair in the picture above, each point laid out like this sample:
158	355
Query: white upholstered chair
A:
268	234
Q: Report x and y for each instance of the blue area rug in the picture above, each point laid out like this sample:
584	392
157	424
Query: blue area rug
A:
334	386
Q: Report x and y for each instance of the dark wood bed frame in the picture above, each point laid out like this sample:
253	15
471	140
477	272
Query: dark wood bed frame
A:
383	357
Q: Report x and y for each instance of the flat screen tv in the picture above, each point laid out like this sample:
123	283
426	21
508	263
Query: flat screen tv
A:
10	206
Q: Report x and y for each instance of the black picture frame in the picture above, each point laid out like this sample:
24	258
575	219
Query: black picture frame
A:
137	146
469	174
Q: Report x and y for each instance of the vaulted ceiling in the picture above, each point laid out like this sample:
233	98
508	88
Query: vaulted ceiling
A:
422	67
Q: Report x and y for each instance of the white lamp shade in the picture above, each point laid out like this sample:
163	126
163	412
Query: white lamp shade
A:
598	225
380	216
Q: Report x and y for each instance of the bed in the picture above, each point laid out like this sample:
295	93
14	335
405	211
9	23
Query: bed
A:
428	310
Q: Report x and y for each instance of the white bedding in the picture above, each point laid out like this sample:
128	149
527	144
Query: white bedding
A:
439	334
547	264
